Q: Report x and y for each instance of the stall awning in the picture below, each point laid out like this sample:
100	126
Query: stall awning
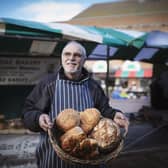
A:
146	73
29	38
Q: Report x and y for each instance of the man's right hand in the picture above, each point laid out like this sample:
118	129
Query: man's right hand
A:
45	122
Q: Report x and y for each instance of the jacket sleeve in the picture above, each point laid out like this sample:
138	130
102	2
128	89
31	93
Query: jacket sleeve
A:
36	103
101	101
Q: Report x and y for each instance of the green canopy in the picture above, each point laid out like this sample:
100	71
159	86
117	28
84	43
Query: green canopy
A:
20	37
113	37
61	33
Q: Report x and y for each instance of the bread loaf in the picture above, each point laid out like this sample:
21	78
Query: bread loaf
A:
72	139
107	134
68	119
89	118
87	149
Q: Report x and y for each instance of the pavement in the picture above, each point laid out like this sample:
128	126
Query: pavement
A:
146	144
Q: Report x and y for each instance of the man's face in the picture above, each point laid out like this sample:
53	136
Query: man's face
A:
72	59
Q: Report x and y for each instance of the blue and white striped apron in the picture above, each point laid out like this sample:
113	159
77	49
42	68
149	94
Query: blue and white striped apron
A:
68	94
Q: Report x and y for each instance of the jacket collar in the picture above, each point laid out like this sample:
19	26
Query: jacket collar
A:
85	74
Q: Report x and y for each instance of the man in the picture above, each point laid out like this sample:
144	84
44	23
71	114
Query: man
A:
70	87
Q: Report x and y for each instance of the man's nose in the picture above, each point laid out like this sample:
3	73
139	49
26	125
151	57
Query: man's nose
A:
72	57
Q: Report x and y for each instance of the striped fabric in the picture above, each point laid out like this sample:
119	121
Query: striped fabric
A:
107	36
146	73
68	94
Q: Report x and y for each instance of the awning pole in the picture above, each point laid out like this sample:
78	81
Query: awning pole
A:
108	68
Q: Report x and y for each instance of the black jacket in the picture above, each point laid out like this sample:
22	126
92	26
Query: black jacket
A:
39	100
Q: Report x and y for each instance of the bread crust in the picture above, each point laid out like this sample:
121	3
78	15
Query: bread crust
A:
72	139
67	119
89	118
106	132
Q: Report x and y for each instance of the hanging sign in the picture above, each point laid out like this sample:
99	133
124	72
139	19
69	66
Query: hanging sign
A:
131	66
99	67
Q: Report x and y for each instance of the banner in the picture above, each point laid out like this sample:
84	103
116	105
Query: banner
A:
25	71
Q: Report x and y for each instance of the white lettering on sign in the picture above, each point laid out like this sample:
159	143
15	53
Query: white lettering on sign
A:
18	150
25	71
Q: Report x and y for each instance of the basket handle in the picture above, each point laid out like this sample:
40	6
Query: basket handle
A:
50	134
124	134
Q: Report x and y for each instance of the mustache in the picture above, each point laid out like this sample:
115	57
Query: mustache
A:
71	62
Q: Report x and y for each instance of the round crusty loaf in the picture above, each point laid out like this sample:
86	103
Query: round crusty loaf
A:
107	134
67	119
72	138
89	118
88	149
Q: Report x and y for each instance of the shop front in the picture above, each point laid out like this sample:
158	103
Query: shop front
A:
18	76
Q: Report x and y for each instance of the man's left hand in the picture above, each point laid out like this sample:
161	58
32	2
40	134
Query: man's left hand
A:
121	120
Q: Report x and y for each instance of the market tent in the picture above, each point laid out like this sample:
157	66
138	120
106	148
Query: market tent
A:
28	38
20	37
51	37
154	50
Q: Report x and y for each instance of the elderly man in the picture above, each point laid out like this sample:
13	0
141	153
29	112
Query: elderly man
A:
70	87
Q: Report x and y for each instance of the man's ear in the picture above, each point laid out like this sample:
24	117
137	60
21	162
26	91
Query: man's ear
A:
84	60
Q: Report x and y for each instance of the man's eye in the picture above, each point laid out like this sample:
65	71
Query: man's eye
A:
67	54
77	55
74	54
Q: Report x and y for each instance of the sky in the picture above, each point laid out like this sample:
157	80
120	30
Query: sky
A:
45	10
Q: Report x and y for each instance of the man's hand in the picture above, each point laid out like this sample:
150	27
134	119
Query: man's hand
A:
44	122
121	120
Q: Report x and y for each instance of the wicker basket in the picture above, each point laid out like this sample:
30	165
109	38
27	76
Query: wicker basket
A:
101	159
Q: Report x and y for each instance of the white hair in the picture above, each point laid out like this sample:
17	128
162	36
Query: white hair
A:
81	47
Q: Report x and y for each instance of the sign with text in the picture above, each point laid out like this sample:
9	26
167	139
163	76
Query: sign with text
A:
18	151
25	71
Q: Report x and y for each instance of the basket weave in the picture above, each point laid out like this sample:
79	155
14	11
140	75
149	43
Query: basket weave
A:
102	158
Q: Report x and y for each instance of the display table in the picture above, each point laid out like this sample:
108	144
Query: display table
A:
129	105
